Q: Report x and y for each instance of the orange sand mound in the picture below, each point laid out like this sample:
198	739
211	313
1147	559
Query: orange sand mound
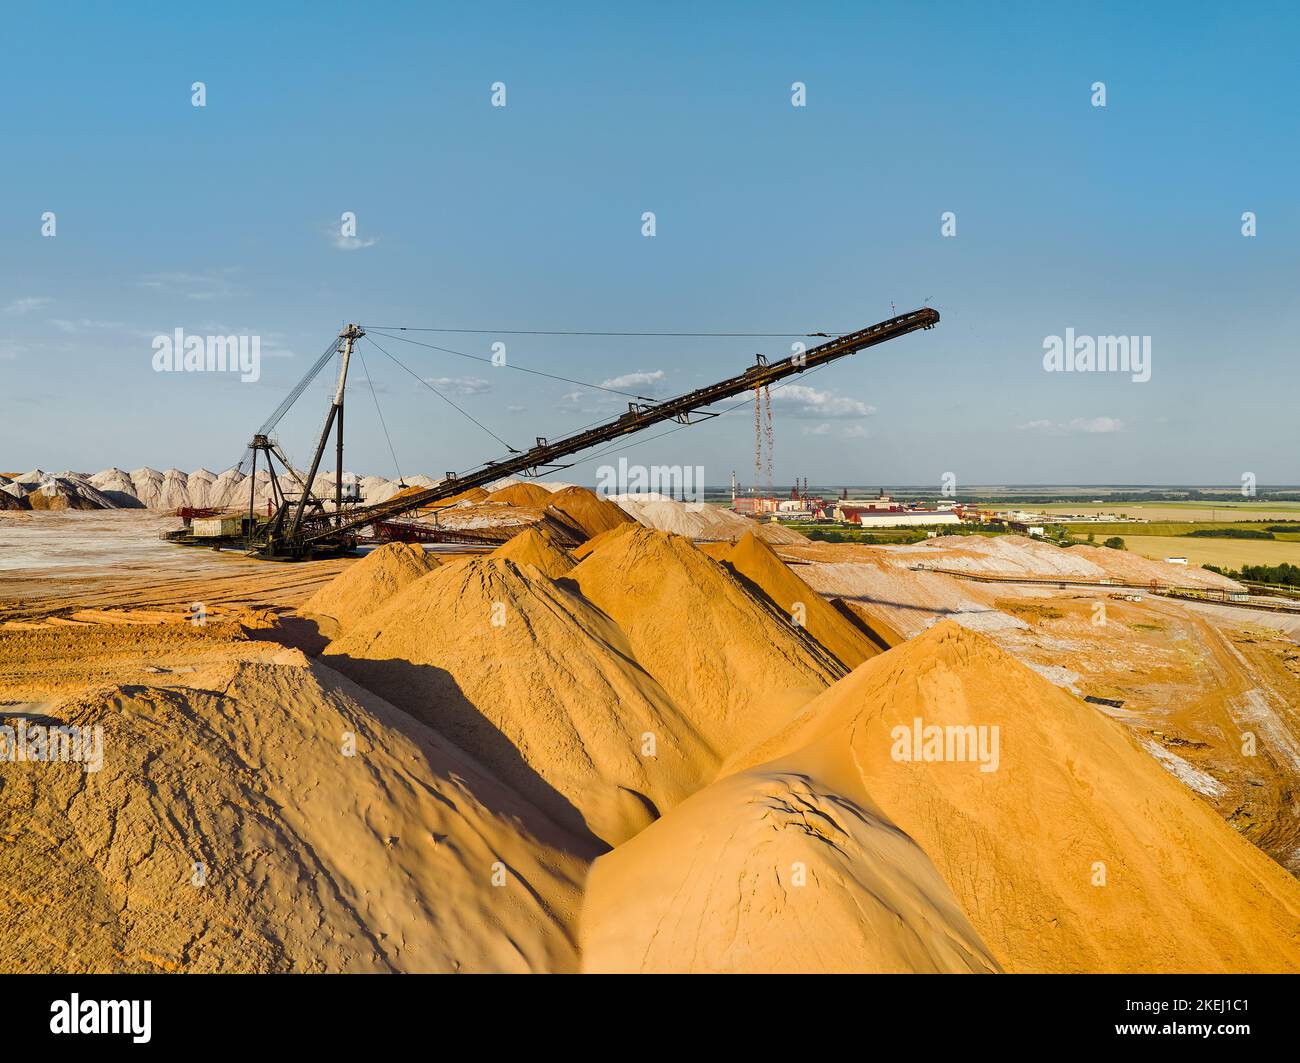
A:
473	494
535	546
754	560
362	587
595	542
772	871
1073	803
229	829
539	686
735	665
522	494
882	632
587	511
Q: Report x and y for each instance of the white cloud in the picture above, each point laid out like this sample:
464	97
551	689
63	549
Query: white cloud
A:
634	380
805	401
848	431
272	347
353	243
1079	426
355	384
341	241
201	287
87	325
459	385
23	306
588	404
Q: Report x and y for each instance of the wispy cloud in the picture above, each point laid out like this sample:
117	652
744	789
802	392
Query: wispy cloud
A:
800	400
272	343
356	384
341	241
588	403
201	287
639	379
27	305
86	325
459	385
353	243
848	431
1079	426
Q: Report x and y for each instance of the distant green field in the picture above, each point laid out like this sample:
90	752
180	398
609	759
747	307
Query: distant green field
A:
835	534
882	536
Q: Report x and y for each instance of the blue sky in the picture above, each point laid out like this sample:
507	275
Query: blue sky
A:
223	219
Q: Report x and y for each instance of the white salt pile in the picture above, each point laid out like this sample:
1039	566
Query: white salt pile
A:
699	520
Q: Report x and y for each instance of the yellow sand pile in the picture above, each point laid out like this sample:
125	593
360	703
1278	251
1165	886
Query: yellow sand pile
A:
365	585
587	511
755	561
522	494
772	871
733	664
536	546
272	816
886	634
539	686
473	494
595	542
856	838
1079	852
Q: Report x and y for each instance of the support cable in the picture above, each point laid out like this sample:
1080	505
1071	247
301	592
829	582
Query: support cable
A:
615	448
366	369
519	368
440	395
580	332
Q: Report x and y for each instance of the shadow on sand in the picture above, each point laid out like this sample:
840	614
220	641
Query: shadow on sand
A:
433	697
